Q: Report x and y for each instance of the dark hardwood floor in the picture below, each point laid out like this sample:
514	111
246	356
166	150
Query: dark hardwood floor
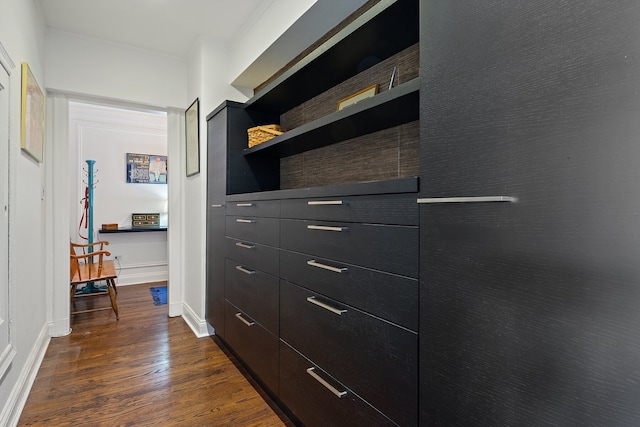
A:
144	369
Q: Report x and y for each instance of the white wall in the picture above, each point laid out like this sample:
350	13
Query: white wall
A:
105	134
22	36
86	66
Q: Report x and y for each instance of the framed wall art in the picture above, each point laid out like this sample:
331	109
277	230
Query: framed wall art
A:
146	169
358	96
192	129
32	117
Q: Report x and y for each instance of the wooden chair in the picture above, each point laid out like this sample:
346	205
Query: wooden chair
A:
92	267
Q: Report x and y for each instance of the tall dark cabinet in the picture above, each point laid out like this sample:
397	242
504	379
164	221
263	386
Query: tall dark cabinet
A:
530	287
457	250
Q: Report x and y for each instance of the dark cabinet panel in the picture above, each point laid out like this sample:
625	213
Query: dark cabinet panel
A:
388	296
258	348
255	255
215	268
529	310
381	247
254	292
316	402
376	359
252	229
399	209
263	208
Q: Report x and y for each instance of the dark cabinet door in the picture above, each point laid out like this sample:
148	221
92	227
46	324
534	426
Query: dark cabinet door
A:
529	309
217	128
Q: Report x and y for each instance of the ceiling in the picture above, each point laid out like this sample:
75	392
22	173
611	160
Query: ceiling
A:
166	26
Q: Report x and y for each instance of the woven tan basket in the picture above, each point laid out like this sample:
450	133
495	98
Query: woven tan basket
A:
260	134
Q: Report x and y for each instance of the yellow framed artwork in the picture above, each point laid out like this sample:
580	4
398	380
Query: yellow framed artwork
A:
358	96
32	118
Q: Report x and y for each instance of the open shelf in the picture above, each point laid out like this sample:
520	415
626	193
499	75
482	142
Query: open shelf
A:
383	31
394	107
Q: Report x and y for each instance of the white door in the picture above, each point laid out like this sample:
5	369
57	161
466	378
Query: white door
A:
6	350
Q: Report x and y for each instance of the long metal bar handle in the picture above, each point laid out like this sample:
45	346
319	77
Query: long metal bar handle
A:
244	270
324	202
217	206
244	205
246	322
474	199
244	245
245	221
326	228
314	263
332	389
334	310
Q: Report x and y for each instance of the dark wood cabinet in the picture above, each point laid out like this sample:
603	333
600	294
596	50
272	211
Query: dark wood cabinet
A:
314	396
497	289
374	358
528	307
336	192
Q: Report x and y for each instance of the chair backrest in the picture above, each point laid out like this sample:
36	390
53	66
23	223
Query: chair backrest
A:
88	269
74	264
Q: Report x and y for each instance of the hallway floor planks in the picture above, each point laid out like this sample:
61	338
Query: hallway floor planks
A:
144	369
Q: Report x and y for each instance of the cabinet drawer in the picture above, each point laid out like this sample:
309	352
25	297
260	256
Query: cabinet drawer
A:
393	249
254	292
389	296
257	256
374	358
254	229
252	343
400	209
264	208
314	403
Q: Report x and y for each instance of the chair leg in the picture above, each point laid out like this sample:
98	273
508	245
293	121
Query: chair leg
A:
112	295
72	294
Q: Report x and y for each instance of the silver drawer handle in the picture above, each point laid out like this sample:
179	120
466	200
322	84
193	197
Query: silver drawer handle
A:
246	322
324	202
217	206
244	205
245	221
244	270
313	263
313	300
245	246
326	228
476	199
328	386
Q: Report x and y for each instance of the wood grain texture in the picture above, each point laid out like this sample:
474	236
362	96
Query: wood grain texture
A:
145	369
529	310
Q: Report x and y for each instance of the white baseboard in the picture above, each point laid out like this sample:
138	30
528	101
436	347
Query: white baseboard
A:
12	410
134	274
197	325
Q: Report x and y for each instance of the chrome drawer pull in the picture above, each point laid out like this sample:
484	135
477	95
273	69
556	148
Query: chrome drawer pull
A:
246	322
313	263
476	199
244	205
245	221
245	246
217	206
326	228
328	386
244	270
324	202
313	300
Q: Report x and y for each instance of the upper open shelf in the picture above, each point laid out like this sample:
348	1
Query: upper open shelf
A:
393	107
384	30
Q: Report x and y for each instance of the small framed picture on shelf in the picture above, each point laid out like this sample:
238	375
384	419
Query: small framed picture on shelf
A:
192	129
367	92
